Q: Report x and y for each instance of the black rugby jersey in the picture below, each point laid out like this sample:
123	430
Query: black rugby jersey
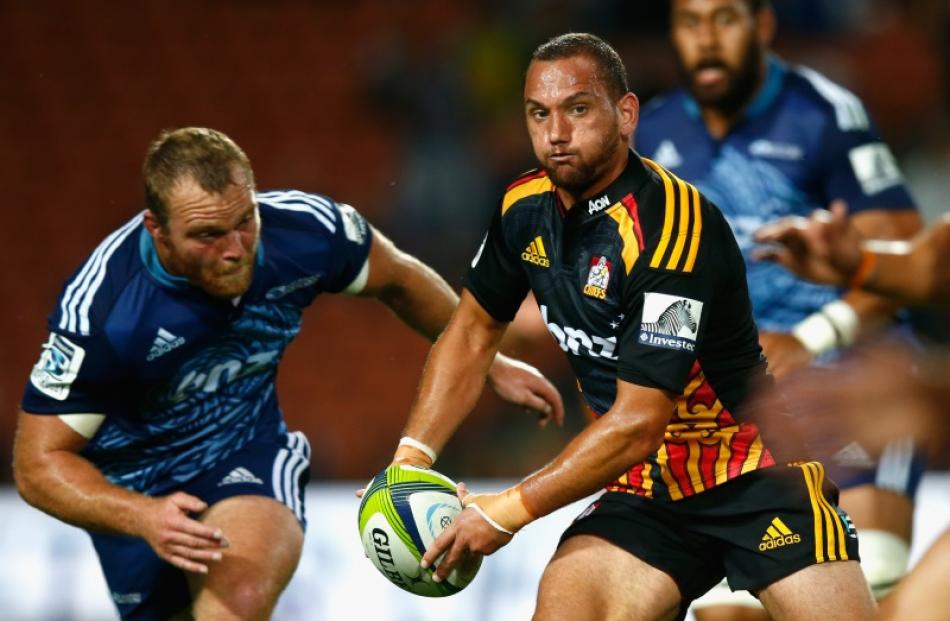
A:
643	282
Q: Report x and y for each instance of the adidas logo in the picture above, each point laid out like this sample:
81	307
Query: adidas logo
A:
667	155
240	475
536	254
778	535
853	456
164	342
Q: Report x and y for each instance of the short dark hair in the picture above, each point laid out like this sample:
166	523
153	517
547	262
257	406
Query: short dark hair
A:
610	68
206	155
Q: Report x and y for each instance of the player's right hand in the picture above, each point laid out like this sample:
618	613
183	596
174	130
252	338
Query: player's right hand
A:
406	456
177	538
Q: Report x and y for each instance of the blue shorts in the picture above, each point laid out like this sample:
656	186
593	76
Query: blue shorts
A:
899	468
146	588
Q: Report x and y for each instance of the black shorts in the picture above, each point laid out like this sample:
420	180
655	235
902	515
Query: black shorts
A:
755	529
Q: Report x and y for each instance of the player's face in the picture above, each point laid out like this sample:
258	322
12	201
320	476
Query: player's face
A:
577	129
720	46
211	239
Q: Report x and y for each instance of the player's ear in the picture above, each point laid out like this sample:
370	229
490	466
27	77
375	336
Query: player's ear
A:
765	25
152	225
629	108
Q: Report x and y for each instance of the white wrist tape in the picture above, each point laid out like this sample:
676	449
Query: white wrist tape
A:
835	325
493	523
425	448
844	320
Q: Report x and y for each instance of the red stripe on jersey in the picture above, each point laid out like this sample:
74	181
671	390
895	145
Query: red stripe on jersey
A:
678	454
528	177
707	464
631	204
741	442
635	478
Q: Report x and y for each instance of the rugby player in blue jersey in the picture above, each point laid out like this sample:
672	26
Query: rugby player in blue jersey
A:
151	418
764	139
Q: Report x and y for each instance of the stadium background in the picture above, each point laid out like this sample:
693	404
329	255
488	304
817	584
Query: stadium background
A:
408	110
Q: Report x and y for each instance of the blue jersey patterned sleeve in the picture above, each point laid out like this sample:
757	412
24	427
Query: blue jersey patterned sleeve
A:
857	166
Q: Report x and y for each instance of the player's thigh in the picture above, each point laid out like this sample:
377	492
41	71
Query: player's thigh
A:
590	578
266	540
922	594
831	591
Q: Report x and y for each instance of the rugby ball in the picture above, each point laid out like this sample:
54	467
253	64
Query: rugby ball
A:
403	510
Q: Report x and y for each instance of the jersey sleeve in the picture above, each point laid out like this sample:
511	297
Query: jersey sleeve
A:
663	327
349	250
857	166
495	277
75	374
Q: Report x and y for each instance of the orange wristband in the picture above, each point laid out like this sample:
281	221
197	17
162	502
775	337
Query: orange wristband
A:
865	268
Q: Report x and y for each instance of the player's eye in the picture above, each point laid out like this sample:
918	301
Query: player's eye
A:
538	114
579	109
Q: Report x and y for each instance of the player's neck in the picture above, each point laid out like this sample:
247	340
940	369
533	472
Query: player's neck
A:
616	167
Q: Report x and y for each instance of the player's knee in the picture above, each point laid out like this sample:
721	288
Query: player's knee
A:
884	558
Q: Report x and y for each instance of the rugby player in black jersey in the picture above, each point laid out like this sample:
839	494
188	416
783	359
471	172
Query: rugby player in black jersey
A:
640	281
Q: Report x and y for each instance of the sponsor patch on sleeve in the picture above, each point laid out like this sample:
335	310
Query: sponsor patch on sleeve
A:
354	226
875	167
670	321
58	367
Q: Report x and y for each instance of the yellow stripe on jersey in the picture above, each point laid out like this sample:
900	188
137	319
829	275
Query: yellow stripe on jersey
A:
752	458
647	483
668	218
683	224
662	458
697	231
686	198
625	226
529	188
692	466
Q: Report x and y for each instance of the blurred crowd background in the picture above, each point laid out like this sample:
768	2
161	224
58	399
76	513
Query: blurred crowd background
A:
410	110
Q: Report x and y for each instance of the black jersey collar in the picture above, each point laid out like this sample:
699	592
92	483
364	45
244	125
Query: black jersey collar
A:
629	182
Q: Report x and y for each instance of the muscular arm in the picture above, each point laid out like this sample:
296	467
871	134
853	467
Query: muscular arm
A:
626	435
413	290
52	476
915	273
874	310
828	249
454	373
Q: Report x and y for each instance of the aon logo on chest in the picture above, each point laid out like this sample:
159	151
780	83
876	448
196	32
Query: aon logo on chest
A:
578	342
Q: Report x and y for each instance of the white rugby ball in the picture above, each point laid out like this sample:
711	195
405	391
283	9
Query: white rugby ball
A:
403	510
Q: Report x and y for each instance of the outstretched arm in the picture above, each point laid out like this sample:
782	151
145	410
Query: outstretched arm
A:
52	476
631	430
828	248
425	302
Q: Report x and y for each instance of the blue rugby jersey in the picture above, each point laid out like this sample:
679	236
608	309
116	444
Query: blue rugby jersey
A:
803	142
186	380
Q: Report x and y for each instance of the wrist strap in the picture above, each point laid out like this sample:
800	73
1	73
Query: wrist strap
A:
865	268
835	325
493	523
425	448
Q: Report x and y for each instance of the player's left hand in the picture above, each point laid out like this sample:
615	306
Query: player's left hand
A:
784	352
487	523
521	384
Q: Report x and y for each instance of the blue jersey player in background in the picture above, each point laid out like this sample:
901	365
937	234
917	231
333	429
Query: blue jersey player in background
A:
151	418
763	139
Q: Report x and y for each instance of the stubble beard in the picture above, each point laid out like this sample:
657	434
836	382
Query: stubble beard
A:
577	179
740	87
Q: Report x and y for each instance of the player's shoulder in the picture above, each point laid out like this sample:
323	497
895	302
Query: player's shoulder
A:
91	292
809	90
529	189
295	210
676	219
